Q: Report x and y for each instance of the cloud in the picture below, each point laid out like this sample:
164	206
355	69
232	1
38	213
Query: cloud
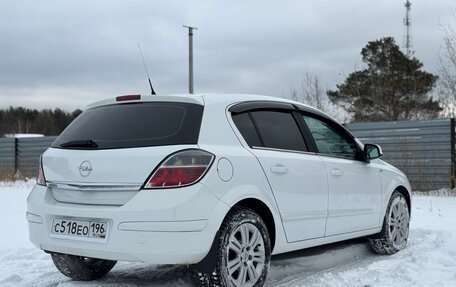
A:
70	53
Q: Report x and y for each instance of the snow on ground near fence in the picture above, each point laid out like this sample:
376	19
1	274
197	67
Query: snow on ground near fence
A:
428	260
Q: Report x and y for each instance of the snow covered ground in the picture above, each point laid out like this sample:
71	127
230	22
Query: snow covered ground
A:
428	260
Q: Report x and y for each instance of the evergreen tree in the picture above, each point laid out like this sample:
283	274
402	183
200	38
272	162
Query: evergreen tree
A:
391	87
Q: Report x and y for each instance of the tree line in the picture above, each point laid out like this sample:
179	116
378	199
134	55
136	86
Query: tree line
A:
17	120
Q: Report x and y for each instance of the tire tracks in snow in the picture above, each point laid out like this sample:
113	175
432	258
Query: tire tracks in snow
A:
357	266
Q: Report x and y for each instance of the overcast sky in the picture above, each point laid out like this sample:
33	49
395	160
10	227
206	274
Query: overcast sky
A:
68	54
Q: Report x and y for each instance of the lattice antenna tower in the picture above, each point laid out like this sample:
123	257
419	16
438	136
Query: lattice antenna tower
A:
408	30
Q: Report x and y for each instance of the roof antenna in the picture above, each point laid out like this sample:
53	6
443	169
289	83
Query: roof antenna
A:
147	72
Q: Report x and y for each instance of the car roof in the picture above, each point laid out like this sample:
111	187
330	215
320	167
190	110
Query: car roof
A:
211	99
194	99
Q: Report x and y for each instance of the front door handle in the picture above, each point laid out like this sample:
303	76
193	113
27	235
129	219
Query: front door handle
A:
337	172
279	169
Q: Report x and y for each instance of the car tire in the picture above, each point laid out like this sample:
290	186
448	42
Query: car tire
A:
82	268
243	252
395	230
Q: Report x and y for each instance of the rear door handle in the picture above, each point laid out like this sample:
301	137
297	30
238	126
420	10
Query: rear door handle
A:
337	172
279	169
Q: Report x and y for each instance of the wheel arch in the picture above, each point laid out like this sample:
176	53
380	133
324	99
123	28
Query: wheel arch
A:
264	212
255	204
406	193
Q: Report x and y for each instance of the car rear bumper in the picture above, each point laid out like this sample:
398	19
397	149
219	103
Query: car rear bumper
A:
174	226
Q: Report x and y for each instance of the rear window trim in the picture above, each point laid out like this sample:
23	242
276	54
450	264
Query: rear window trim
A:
283	150
250	106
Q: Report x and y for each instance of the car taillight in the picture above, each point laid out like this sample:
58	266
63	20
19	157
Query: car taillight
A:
181	169
40	179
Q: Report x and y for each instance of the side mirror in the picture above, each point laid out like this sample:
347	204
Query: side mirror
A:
372	151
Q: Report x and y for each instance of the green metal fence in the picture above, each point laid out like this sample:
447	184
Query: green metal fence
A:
20	156
424	150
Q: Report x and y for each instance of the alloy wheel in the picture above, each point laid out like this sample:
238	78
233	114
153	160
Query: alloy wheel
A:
246	255
399	223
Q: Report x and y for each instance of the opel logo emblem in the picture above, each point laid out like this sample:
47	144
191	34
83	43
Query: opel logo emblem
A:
85	168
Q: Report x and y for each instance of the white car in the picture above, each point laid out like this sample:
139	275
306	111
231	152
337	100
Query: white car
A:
219	182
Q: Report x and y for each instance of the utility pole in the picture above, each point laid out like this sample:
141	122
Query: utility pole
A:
190	57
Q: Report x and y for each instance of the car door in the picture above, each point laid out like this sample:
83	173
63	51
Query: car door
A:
354	184
296	176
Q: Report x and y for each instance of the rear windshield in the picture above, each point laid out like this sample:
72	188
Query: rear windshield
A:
133	125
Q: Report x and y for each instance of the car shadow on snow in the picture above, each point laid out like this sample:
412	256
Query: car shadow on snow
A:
289	266
284	267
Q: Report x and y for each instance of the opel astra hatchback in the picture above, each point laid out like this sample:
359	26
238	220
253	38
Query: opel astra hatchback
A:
218	182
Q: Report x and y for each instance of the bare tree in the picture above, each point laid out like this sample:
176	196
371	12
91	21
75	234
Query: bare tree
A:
311	91
447	71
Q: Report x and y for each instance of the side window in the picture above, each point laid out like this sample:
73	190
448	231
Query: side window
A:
329	140
279	130
247	129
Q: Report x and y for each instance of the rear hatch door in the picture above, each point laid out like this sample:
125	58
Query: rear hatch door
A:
106	154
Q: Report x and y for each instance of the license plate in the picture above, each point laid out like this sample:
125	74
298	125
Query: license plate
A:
80	229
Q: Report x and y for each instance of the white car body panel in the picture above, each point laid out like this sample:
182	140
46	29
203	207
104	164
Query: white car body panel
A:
392	178
156	226
300	187
354	195
178	225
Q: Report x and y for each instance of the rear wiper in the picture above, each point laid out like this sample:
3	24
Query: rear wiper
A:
80	143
